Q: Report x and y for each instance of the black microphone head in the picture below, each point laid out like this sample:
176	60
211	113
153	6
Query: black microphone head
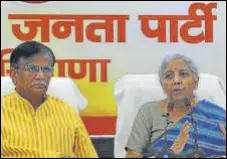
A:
170	106
187	102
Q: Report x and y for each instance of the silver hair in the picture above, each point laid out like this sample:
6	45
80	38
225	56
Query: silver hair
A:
192	66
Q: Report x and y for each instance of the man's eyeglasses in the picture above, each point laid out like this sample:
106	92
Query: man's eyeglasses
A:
34	69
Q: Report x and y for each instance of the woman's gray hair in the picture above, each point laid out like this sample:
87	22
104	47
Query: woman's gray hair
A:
192	66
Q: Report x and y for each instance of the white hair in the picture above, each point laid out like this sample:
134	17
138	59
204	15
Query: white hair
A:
191	65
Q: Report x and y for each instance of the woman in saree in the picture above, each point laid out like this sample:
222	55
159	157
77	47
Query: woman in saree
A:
202	120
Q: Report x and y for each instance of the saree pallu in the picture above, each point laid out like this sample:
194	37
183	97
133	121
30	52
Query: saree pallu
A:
211	140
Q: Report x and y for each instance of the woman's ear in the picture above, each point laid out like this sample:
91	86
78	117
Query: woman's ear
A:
162	85
196	83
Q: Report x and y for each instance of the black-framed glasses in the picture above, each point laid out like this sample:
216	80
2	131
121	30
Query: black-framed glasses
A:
34	69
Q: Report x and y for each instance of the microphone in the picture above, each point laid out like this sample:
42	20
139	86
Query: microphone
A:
167	153
196	152
187	102
170	107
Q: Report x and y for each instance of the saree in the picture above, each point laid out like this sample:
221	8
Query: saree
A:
211	140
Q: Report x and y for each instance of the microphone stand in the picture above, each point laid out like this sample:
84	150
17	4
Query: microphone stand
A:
196	152
167	153
168	121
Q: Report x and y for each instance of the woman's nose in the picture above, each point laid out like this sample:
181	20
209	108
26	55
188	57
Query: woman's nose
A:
177	80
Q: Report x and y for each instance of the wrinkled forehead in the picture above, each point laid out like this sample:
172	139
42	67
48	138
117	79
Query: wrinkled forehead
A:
39	59
176	65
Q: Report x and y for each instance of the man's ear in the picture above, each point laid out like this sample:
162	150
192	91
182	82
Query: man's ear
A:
13	75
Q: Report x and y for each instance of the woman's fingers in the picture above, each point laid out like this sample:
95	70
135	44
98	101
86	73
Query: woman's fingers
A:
223	129
185	129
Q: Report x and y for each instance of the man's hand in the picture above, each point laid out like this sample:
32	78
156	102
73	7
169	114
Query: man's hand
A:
182	139
223	129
